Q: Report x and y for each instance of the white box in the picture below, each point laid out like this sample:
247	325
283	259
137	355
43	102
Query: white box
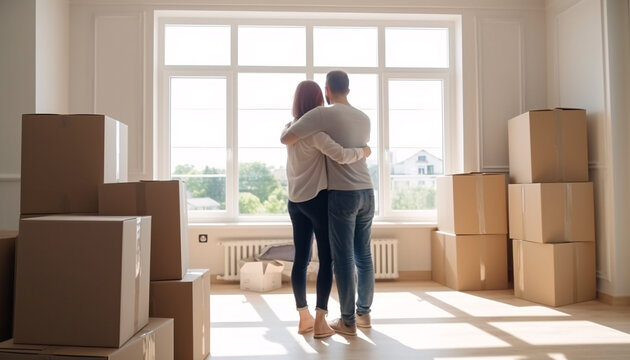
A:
261	276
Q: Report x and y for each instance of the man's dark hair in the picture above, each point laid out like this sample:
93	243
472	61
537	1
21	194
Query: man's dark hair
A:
337	82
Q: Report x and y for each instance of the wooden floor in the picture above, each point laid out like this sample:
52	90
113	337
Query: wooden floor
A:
419	320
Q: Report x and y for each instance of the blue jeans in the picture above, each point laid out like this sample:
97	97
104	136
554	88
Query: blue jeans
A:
350	215
310	217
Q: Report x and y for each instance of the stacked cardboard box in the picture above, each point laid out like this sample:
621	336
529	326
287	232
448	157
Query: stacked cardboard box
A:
469	250
7	263
551	209
153	342
81	281
175	291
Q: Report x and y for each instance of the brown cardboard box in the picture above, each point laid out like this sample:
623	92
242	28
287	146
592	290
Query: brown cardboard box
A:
188	302
469	262
81	280
472	204
552	212
165	201
7	263
554	274
548	146
153	342
66	157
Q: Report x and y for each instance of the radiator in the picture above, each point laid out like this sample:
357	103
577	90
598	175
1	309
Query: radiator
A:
384	256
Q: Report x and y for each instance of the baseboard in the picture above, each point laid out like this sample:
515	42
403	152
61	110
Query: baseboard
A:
402	276
413	276
613	300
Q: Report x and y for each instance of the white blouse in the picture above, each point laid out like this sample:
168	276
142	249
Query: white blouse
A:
306	164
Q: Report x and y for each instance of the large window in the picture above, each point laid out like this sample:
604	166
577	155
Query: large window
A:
226	84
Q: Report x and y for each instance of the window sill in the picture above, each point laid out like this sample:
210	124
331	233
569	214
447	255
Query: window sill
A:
287	224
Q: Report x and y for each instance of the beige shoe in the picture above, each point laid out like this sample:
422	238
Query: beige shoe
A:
342	328
364	321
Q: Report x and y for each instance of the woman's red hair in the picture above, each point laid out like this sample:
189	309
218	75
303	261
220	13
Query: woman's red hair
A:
308	95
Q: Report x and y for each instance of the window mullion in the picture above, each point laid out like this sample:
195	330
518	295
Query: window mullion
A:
232	198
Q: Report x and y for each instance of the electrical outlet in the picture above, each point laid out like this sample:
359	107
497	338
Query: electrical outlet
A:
203	238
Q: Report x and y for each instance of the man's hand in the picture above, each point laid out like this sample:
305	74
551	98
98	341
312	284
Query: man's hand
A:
366	151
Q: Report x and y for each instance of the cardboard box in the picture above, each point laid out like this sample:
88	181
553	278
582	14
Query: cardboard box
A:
554	274
188	302
7	264
165	202
552	212
153	342
66	157
469	262
548	146
260	276
472	204
81	280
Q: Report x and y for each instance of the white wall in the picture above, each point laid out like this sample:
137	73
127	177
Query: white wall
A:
503	58
52	52
589	73
34	73
17	96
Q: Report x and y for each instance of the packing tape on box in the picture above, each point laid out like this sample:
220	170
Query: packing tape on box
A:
138	271
558	145
523	212
141	199
148	347
568	212
482	263
575	272
519	265
481	206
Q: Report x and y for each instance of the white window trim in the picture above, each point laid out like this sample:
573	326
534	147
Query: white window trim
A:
448	76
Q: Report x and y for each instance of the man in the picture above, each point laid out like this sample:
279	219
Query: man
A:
350	200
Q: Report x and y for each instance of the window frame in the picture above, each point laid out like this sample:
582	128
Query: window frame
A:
309	20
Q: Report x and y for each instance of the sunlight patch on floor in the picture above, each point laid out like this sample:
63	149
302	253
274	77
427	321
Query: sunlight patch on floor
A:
562	332
482	307
440	336
389	305
231	309
513	357
283	306
261	341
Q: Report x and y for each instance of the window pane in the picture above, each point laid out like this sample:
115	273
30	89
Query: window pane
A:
196	45
345	46
265	102
272	45
262	181
198	139
415	141
416	47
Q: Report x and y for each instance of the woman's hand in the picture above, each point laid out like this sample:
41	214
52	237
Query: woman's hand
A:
366	151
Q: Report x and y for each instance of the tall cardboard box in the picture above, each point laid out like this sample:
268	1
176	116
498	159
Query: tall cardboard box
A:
66	157
548	146
7	263
554	274
165	202
469	262
188	302
81	280
472	204
153	342
552	212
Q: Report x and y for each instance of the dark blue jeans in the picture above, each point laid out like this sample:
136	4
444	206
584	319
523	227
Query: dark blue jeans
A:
310	217
350	215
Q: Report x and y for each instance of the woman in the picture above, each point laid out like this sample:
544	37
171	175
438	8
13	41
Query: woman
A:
308	208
